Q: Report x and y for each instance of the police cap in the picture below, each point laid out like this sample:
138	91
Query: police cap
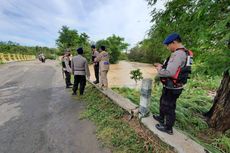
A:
80	50
93	46
103	48
170	38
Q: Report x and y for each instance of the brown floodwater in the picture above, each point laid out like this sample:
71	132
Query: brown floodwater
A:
119	74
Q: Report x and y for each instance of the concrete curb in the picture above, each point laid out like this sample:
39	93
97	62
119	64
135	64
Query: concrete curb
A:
118	99
180	142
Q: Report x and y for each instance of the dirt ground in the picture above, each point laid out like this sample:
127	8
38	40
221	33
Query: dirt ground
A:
119	74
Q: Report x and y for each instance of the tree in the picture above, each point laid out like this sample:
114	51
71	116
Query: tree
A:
218	115
204	27
136	75
67	39
15	48
115	45
71	39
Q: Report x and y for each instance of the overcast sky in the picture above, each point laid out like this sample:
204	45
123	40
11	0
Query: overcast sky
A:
31	22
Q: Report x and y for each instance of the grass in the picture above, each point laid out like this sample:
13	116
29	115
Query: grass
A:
114	129
195	100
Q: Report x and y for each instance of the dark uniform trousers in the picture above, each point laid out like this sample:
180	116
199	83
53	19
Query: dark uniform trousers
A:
168	105
67	78
79	79
96	70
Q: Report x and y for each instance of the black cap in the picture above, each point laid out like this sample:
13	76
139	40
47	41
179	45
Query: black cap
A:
80	50
103	48
93	46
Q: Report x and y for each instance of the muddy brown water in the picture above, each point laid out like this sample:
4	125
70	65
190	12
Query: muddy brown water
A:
119	74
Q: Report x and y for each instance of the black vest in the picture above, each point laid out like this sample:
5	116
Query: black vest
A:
183	73
63	64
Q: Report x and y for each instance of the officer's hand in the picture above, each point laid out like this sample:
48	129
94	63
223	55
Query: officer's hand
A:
159	67
157	64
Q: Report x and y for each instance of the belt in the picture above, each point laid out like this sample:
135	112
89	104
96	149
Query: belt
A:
79	70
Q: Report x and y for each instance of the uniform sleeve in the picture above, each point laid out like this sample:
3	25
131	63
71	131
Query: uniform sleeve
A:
87	69
97	53
98	58
72	65
176	60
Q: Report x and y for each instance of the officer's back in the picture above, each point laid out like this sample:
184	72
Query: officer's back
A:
79	65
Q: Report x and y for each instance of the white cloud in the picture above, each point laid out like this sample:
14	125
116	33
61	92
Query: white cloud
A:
38	22
127	18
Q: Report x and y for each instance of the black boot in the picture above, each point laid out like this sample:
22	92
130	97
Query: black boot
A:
165	129
158	118
96	82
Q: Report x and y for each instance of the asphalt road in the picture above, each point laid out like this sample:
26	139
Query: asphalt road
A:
38	115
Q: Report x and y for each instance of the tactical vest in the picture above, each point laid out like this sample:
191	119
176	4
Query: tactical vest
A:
182	73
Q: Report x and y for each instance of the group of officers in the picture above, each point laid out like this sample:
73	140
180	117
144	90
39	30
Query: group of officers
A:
173	74
78	66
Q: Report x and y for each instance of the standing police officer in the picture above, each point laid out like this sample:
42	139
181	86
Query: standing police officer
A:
80	70
95	53
66	67
103	59
173	74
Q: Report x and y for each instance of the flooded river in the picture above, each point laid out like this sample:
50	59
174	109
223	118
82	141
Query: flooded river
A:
119	74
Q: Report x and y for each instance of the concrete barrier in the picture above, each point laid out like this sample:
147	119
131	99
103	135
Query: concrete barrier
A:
179	141
12	57
145	98
5	58
21	57
17	57
2	59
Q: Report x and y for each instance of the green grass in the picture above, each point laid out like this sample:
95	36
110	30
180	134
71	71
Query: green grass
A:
194	101
111	128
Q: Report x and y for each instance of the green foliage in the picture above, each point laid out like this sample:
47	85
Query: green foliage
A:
123	56
194	101
71	39
114	45
131	94
136	75
67	38
15	48
204	26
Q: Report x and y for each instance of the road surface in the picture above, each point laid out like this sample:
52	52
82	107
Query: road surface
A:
37	113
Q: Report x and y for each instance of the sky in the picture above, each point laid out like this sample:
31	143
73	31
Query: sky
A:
30	22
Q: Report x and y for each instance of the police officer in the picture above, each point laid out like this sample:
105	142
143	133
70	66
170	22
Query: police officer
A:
173	74
103	59
41	57
80	70
95	53
66	67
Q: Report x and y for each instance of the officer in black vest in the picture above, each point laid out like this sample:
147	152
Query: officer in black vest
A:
173	74
66	67
95	53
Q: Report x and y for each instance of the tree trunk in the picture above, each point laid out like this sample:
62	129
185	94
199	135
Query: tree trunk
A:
219	115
